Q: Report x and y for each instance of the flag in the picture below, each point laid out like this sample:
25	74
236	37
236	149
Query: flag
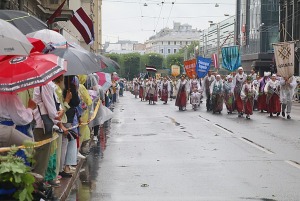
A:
285	58
151	68
215	60
84	25
231	58
56	13
203	65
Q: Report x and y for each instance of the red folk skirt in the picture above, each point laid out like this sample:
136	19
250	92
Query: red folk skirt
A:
181	99
261	102
164	95
141	92
274	104
248	106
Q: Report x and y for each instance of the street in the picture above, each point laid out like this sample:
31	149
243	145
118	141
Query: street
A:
156	152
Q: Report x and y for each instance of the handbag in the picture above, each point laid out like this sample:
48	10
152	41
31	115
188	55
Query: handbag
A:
47	122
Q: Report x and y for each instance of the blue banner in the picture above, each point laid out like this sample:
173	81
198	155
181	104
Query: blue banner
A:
231	58
203	66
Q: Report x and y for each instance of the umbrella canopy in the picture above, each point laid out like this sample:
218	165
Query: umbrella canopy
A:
108	65
49	37
38	45
104	80
23	72
12	41
79	62
25	22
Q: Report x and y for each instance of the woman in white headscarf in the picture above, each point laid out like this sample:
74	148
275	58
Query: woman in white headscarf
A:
228	94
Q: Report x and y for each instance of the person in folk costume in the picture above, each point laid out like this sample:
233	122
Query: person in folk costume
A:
159	83
238	82
145	89
287	89
209	78
261	100
228	88
248	94
135	86
141	89
272	89
256	85
165	88
182	92
253	74
194	85
152	91
216	93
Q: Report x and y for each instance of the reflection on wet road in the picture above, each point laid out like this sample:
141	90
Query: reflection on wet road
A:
85	185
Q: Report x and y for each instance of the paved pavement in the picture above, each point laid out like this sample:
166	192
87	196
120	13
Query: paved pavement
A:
155	152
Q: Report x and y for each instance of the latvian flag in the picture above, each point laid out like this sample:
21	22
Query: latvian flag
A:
84	25
215	60
151	68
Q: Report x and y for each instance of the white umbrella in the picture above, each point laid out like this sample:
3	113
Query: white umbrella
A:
12	41
49	37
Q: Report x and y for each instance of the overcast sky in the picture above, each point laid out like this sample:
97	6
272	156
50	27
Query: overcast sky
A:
139	19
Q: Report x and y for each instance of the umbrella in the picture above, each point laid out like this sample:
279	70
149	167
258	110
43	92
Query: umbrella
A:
38	45
104	80
12	41
25	22
108	65
49	37
23	72
79	62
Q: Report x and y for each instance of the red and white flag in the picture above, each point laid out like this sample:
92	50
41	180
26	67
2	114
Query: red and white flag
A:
151	68
84	25
215	60
56	13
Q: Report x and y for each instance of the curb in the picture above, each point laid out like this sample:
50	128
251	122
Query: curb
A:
62	192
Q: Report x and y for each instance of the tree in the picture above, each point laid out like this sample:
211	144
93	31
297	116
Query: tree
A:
175	59
117	58
154	59
131	63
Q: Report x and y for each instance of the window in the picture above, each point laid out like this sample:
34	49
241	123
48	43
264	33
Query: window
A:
180	42
169	42
174	42
162	42
186	42
162	51
175	50
169	51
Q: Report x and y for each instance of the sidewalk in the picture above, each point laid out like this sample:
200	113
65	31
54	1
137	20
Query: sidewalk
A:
62	192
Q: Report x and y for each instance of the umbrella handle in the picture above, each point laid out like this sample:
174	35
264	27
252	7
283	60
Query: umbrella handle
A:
28	94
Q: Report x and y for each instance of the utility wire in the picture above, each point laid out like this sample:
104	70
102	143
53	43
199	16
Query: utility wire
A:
162	5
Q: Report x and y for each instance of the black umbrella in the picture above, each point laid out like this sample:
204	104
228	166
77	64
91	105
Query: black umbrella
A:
25	22
79	62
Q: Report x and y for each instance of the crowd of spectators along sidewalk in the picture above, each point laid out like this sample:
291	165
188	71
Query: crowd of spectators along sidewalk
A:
68	101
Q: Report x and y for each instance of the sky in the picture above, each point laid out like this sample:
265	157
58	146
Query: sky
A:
137	20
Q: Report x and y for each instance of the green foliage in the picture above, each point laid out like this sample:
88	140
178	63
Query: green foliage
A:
154	59
13	170
174	59
131	64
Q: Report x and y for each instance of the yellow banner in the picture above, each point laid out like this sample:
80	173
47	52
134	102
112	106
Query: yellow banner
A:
175	70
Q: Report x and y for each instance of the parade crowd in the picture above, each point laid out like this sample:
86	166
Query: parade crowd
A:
70	102
240	92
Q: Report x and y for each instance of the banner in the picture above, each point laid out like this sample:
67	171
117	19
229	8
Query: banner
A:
175	70
190	68
285	58
157	76
203	66
84	25
231	58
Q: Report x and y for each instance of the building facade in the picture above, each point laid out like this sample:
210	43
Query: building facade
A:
257	25
124	47
169	41
289	26
43	9
217	36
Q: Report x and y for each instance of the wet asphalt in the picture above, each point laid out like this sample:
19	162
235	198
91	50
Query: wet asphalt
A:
157	153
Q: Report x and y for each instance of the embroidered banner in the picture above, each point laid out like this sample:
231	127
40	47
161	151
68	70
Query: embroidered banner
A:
203	66
190	68
231	58
285	58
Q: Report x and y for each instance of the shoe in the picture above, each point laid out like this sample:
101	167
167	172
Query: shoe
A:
288	116
247	117
271	115
283	114
79	155
53	183
95	138
65	175
278	113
